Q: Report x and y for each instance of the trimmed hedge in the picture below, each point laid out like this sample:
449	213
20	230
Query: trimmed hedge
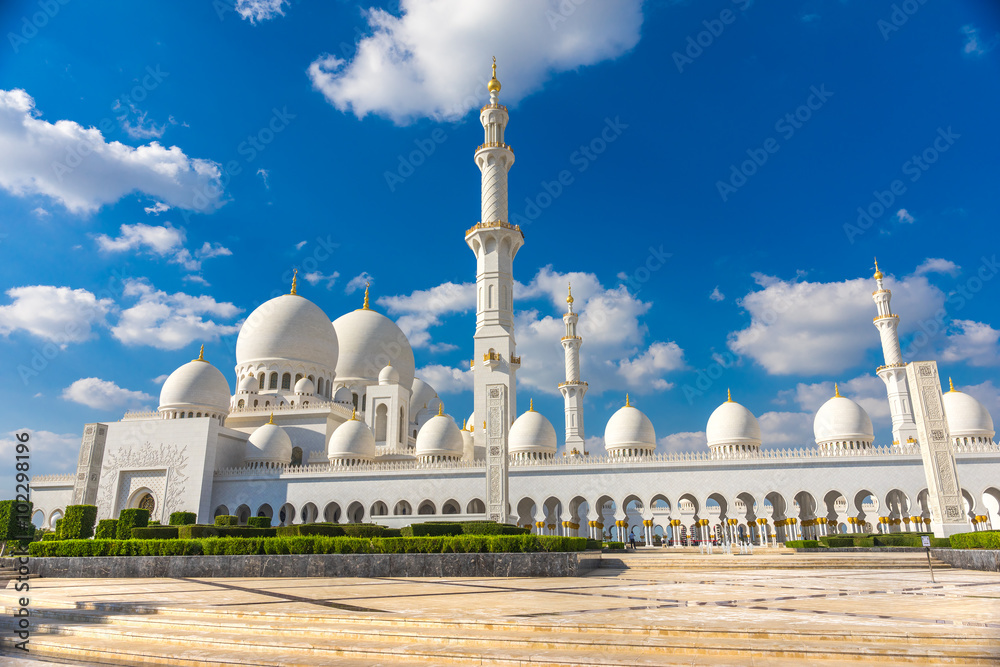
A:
593	544
183	518
14	524
107	529
258	522
838	542
48	537
363	529
803	544
327	529
983	539
78	523
432	529
492	528
614	545
155	533
129	519
196	532
226	520
245	531
307	545
392	532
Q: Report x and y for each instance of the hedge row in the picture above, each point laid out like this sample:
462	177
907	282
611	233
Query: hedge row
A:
318	544
78	524
444	528
129	519
983	539
803	544
183	518
258	522
15	521
107	529
227	520
334	530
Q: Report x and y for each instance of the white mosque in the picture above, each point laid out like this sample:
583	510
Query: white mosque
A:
328	422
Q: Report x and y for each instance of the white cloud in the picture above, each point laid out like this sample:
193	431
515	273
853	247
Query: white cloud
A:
867	390
316	277
77	167
786	429
986	393
264	175
160	379
716	295
58	314
975	343
157	208
904	216
974	44
358	282
143	127
686	441
51	454
260	10
648	367
300	245
171	321
433	59
445	379
192	261
424	309
103	394
40	212
594	445
197	279
812	328
937	265
159	240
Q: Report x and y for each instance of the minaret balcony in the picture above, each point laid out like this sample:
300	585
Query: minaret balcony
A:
570	338
494	225
885	317
883	367
515	361
493	144
493	106
492	359
574	383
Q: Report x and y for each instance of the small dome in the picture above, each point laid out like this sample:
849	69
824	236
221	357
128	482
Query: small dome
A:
967	417
269	444
733	424
368	342
440	436
421	394
352	440
288	327
249	385
532	433
196	384
343	395
388	375
842	420
305	386
629	429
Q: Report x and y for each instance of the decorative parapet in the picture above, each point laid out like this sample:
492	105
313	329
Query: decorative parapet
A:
140	415
885	317
884	366
573	383
493	106
494	144
67	478
322	468
337	408
493	225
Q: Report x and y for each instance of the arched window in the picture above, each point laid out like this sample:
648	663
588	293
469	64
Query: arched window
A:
147	503
381	420
286	381
261	383
296	456
240	404
273	384
298	376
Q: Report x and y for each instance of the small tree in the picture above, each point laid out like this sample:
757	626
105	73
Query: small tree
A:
15	523
78	524
183	518
129	519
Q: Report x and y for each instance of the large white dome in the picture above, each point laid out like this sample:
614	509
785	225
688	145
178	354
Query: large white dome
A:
629	429
288	327
967	417
421	394
269	444
841	420
369	341
440	436
352	440
532	434
196	384
732	424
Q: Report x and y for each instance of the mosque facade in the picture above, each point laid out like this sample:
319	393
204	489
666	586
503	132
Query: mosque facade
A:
328	422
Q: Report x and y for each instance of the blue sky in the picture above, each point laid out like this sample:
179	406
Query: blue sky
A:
164	166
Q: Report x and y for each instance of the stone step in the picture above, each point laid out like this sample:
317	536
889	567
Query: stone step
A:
250	645
710	562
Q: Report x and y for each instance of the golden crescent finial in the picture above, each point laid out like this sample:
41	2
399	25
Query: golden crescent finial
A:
494	85
354	414
836	390
878	274
531	405
201	353
569	289
295	281
365	306
951	385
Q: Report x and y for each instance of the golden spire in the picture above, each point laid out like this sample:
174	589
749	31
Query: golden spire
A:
354	415
627	404
271	420
365	306
531	405
464	426
494	86
878	274
836	390
440	409
729	396
951	386
295	281
201	353
569	299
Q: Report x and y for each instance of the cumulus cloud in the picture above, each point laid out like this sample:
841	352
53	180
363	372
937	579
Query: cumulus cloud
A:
802	327
445	379
192	260
57	314
974	44
937	265
260	10
975	343
986	393
424	309
904	216
432	60
78	168
868	391
51	454
103	394
161	241
160	379
157	208
358	282
316	277
686	441
171	321
717	295
786	429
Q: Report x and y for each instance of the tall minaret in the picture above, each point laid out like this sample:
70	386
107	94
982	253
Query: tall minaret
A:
573	389
495	242
893	373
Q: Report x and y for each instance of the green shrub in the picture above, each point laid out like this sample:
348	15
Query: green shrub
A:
614	545
392	532
78	523
15	523
593	544
434	529
864	542
183	518
328	529
226	520
941	542
57	527
363	529
491	528
129	519
803	544
838	541
49	537
245	531
155	533
107	529
196	531
257	522
983	539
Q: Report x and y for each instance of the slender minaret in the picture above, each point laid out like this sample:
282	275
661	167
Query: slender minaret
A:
893	373
573	389
495	242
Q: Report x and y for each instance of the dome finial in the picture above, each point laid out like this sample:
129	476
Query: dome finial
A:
464	425
494	85
365	305
271	420
836	390
878	274
441	409
627	404
951	385
295	281
531	405
354	414
569	288
201	353
729	395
